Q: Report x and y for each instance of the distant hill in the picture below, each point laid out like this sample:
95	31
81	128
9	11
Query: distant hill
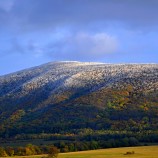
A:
61	97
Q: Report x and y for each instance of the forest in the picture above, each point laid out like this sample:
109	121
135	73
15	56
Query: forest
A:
103	119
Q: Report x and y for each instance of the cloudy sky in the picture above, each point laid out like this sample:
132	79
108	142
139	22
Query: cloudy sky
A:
33	32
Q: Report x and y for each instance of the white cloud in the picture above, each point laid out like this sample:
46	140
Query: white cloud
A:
100	43
69	46
85	46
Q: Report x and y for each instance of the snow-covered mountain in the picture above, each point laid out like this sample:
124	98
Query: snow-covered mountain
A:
64	96
63	76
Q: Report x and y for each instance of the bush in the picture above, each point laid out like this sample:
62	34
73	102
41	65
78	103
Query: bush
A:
3	152
129	153
53	152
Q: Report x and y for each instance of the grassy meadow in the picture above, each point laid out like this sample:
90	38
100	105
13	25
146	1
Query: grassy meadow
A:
139	152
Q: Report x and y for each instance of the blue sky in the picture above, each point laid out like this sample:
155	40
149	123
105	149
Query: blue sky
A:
33	32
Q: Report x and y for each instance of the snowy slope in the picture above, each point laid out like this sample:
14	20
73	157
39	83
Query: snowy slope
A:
61	76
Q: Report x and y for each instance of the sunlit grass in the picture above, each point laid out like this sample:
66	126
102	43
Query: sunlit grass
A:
139	152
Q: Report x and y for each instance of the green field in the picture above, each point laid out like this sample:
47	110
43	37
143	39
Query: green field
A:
140	152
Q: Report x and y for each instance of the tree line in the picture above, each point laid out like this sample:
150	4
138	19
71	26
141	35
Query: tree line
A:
50	151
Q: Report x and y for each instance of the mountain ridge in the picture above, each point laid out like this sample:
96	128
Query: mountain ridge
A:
64	96
36	73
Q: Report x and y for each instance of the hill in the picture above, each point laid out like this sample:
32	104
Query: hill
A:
78	98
